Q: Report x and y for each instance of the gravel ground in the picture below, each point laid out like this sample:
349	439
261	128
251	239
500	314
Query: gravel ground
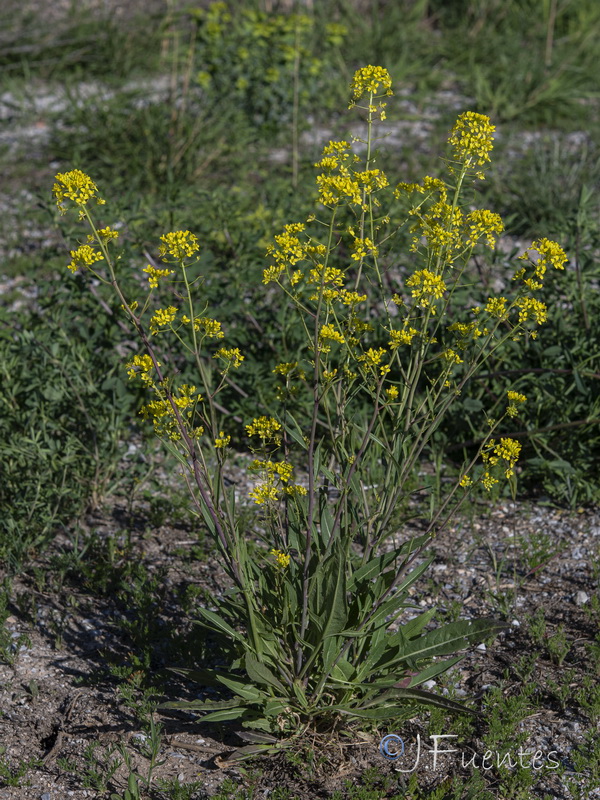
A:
58	698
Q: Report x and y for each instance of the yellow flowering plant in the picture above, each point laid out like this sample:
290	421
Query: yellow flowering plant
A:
315	630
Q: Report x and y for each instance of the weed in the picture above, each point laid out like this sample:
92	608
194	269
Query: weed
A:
15	775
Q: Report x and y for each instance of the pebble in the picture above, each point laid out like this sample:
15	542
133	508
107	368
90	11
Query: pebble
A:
515	623
581	598
481	647
429	684
46	796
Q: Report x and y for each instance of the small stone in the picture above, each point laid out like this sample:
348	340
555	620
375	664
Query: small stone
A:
581	598
46	796
429	684
481	647
515	623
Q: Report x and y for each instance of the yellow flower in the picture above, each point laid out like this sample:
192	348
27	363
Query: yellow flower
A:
84	257
427	287
465	481
326	275
263	493
105	234
472	138
283	559
142	366
265	428
178	244
154	274
392	393
514	398
496	307
405	336
295	490
161	318
231	355
222	440
530	308
372	357
75	186
330	332
369	79
483	223
488	481
211	328
452	356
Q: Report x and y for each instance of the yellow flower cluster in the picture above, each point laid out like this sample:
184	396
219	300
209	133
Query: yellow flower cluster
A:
441	226
277	475
427	287
550	254
405	336
472	139
163	417
161	318
75	186
282	559
104	234
451	356
142	366
263	493
84	257
154	274
339	183
290	369
483	223
222	440
351	298
371	180
335	188
231	356
514	398
328	276
178	245
363	247
329	332
266	428
372	357
369	79
466	331
211	328
507	450
496	307
274	469
287	251
530	308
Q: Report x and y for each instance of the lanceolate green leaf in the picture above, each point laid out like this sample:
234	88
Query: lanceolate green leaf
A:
260	673
452	637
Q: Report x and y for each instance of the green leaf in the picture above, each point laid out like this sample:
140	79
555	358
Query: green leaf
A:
202	705
437	668
452	637
225	715
260	673
421	697
295	433
219	625
371	569
258	738
207	677
247	691
250	751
